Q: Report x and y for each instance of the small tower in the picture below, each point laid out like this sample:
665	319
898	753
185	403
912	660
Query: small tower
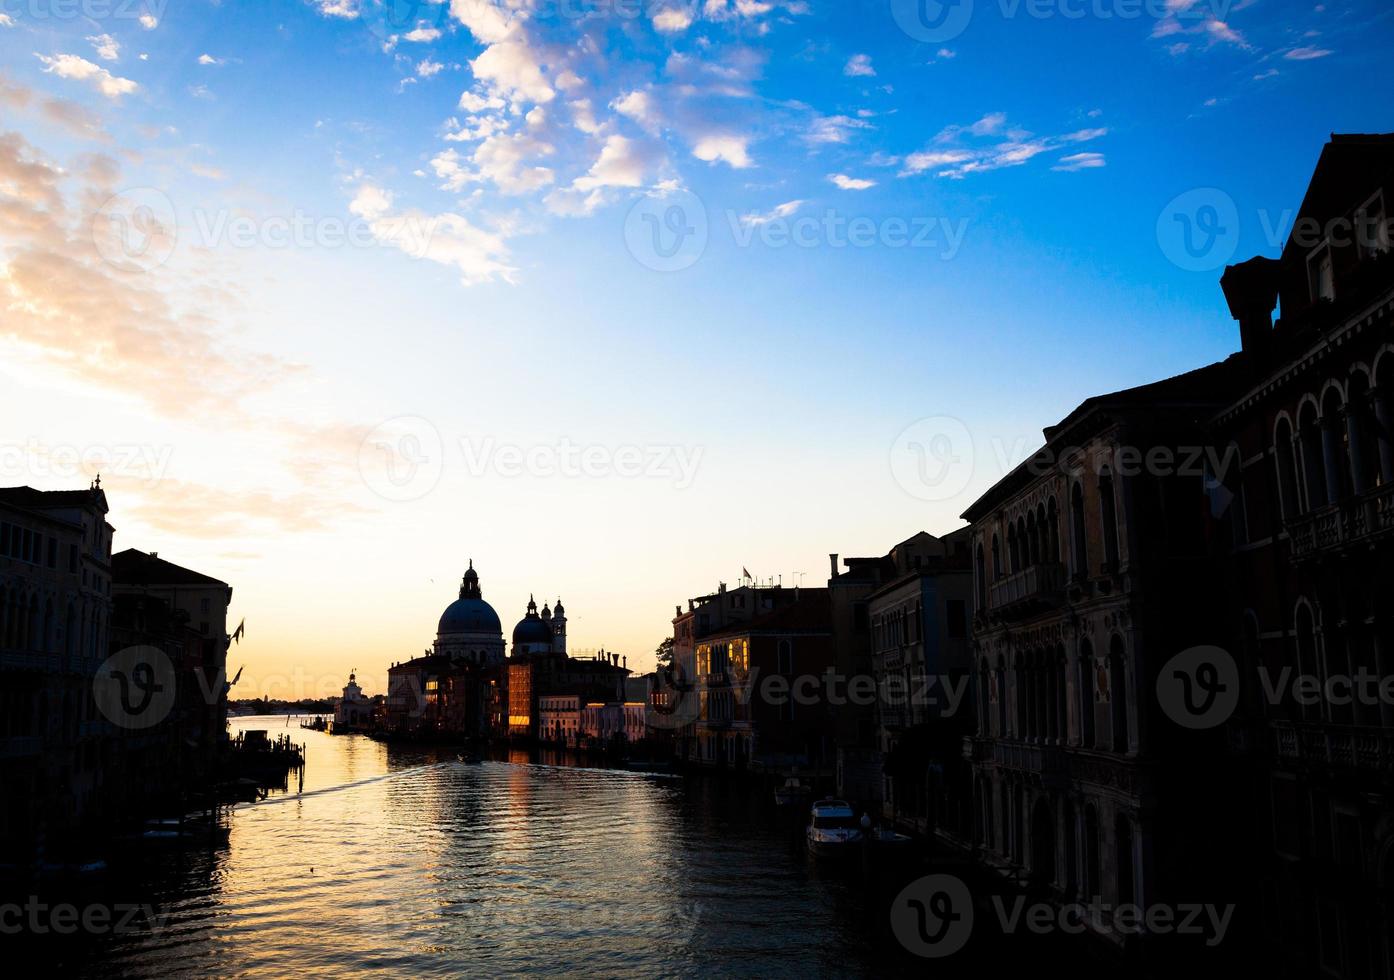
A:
559	628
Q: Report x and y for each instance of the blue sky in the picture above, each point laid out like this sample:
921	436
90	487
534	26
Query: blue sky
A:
474	186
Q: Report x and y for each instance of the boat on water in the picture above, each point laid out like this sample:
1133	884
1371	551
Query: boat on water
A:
833	828
468	758
792	791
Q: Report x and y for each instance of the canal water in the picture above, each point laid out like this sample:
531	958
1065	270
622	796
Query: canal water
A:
401	861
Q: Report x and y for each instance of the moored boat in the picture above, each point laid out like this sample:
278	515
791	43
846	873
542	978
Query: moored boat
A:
832	828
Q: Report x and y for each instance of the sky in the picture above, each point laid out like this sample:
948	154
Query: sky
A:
618	299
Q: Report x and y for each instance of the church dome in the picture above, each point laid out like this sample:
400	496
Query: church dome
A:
470	616
470	613
532	629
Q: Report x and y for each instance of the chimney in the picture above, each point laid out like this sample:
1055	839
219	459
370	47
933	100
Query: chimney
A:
832	560
154	554
1251	289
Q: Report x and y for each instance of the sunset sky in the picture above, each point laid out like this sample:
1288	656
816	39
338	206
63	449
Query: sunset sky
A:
615	298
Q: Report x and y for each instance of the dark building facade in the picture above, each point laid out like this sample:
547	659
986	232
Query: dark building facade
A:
1307	542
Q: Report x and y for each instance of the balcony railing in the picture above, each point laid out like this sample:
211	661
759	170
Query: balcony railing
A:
1037	584
1337	746
1341	525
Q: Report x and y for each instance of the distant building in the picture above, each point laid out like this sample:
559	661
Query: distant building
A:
559	720
923	665
55	610
790	647
703	616
354	711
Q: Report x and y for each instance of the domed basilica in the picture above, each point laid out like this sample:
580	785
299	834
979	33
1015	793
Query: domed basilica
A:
471	631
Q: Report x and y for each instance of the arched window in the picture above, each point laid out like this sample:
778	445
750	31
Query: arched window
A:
1079	557
1361	434
1033	551
1091	852
1013	549
1118	693
980	578
1085	668
996	557
1108	515
1310	451
1053	532
1335	450
1123	834
1305	632
1284	459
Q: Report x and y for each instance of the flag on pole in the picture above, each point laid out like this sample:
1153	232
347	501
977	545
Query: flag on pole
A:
746	572
241	630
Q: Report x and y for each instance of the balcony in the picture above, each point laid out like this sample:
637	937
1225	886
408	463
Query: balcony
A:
1032	588
1335	746
1343	525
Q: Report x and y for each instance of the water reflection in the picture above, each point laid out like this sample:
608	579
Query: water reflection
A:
403	860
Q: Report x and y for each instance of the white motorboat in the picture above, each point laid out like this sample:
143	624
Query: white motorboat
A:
833	828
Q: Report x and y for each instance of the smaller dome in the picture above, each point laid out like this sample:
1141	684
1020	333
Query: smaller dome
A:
532	630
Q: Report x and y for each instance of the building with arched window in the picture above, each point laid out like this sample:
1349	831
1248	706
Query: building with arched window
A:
1309	561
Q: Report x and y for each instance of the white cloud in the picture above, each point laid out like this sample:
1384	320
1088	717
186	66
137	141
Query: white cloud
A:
851	183
639	106
785	210
514	70
427	68
106	46
344	9
422	35
149	21
6	20
1007	147
859	65
672	20
208	59
623	162
734	150
82	70
1080	161
447	239
1306	54
833	129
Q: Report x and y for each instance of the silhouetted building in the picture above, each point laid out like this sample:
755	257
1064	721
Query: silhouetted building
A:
922	663
1306	531
1090	571
55	609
